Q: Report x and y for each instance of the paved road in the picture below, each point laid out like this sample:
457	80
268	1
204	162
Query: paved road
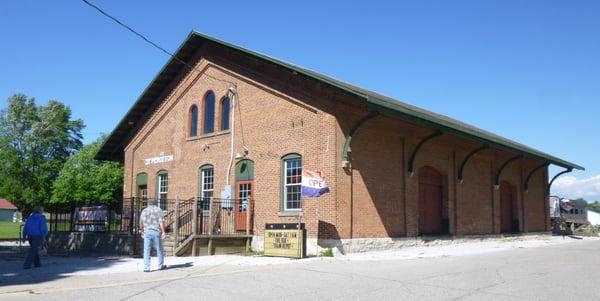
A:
558	272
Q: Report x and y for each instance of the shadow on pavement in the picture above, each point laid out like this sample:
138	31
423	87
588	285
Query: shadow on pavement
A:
53	267
181	265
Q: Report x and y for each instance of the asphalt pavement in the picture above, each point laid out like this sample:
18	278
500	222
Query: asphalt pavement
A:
567	271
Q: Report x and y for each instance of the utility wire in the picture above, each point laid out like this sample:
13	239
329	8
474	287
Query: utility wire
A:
147	40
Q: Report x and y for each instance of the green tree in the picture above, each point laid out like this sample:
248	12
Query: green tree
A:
35	141
595	206
84	180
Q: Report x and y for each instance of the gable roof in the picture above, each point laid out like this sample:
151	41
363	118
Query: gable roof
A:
113	147
5	204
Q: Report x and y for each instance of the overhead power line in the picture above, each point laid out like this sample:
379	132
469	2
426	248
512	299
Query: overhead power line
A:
146	39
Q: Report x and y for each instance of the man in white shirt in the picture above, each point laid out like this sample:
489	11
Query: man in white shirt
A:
152	227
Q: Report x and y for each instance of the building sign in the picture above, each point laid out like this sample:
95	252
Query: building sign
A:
313	184
285	240
90	219
159	159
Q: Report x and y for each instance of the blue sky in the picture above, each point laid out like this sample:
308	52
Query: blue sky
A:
527	70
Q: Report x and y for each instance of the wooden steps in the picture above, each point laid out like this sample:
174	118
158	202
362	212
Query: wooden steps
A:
203	245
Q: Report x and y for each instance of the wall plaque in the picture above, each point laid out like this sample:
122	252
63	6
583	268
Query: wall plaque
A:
159	159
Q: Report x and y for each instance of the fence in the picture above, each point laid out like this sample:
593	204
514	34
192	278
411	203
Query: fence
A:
200	216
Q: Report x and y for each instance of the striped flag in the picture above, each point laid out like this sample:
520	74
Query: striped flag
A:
313	184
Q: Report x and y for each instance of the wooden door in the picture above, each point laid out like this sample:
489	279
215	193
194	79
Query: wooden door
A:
242	203
506	208
430	201
142	192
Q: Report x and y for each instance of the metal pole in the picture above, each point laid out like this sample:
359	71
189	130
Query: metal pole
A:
176	223
248	215
194	225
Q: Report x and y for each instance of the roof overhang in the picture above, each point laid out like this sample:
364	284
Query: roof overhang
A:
113	147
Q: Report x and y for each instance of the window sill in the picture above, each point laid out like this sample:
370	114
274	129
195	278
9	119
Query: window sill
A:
208	135
290	213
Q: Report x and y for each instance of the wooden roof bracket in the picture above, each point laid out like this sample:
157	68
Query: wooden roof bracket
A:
497	178
345	158
526	184
464	162
411	160
558	175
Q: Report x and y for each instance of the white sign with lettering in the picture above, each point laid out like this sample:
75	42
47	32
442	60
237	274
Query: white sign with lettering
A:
159	159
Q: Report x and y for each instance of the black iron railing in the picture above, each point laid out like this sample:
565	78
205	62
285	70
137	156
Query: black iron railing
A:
224	216
183	217
185	222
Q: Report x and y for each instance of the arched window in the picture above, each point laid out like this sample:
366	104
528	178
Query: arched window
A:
225	106
206	186
193	130
244	170
291	181
162	188
141	181
209	113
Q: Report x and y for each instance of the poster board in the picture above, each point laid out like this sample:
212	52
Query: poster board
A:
90	219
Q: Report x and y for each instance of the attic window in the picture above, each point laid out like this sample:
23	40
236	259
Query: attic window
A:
209	113
193	121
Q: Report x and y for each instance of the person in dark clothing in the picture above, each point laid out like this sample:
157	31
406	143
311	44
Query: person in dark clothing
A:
35	232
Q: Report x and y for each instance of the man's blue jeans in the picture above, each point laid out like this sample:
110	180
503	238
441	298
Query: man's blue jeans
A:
33	256
152	238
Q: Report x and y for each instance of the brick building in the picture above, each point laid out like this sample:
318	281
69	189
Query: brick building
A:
394	170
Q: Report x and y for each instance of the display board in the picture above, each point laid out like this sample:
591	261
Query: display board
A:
285	240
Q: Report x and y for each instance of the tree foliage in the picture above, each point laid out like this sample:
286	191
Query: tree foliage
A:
35	141
84	180
595	206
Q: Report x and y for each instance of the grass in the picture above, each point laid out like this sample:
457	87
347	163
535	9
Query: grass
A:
254	253
9	230
327	253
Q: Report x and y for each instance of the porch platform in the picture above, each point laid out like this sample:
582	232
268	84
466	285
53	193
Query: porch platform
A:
217	244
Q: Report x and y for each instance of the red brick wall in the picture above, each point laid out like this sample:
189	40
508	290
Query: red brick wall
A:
274	124
378	198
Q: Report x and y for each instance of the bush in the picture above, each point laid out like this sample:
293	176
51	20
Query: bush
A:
327	253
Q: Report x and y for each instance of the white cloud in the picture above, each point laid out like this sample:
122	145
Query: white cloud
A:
571	187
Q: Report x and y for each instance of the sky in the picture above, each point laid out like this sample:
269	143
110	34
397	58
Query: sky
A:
526	70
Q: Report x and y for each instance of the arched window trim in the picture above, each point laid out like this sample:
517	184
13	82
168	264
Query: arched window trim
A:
139	176
206	113
285	185
225	126
141	179
244	177
193	121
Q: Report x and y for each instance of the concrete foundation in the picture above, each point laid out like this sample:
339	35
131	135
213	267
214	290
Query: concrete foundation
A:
91	243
